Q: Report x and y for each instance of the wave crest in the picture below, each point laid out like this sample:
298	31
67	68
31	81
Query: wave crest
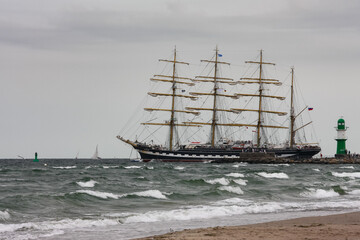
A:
88	184
65	167
4	215
320	193
351	175
240	182
273	175
235	175
231	189
222	181
105	195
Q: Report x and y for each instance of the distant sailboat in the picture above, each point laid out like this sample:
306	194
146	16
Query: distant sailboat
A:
96	154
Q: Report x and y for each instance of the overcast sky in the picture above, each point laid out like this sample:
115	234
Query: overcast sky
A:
72	71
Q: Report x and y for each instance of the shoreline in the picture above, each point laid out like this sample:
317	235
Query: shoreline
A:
330	227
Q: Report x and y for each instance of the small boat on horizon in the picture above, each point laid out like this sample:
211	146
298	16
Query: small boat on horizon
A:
96	154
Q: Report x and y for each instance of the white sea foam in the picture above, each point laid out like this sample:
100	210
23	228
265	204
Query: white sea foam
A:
239	165
231	189
320	193
91	166
355	192
203	212
131	167
89	184
236	175
222	181
351	175
150	167
316	170
348	167
58	225
273	175
149	193
103	195
4	215
279	164
233	201
179	168
66	167
53	233
110	167
240	182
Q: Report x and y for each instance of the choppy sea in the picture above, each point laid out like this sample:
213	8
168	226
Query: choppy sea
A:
120	199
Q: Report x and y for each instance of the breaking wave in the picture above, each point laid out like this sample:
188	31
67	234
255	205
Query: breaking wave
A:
239	165
105	195
149	193
222	181
273	175
88	184
179	168
240	182
320	193
66	167
204	212
351	175
236	190
235	175
106	167
4	215
355	192
131	167
57	225
348	167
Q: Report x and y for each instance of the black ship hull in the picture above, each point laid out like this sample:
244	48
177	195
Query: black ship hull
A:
224	155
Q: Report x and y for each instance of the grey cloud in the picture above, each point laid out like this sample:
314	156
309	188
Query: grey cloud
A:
84	26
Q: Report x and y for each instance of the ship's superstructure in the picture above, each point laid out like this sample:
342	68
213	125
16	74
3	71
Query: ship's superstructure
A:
209	112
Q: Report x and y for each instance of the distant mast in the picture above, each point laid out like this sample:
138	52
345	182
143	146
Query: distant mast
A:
96	154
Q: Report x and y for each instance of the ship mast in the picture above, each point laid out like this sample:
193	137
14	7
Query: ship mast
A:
216	80
172	122
261	81
292	112
260	100
293	117
213	124
215	94
174	80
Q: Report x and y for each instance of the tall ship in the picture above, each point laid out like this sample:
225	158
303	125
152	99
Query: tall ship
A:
212	117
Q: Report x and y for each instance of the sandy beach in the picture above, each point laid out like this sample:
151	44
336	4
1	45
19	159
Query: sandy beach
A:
332	227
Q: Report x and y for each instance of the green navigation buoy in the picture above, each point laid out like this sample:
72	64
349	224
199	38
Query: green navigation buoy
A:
36	157
341	137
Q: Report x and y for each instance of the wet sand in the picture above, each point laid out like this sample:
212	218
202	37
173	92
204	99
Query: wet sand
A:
333	227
